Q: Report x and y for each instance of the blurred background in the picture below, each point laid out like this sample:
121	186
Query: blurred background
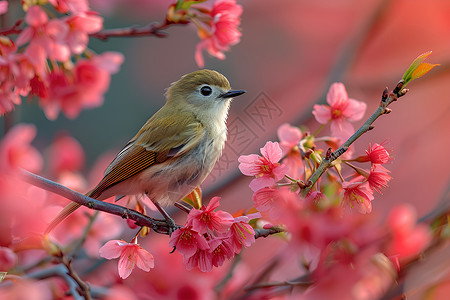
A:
290	53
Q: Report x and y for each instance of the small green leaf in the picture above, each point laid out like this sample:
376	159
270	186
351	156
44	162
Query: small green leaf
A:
418	68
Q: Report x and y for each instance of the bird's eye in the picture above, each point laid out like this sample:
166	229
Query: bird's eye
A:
206	90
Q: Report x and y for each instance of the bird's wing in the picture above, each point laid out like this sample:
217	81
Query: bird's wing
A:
152	146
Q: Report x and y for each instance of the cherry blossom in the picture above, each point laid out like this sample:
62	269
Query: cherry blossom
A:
378	177
3	7
376	154
242	234
206	218
223	30
188	241
16	150
340	111
290	138
408	238
131	255
358	195
265	168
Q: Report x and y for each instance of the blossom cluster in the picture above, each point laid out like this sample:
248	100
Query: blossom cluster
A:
49	59
217	27
210	237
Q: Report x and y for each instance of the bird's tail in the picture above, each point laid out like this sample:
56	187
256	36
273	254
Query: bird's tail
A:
63	214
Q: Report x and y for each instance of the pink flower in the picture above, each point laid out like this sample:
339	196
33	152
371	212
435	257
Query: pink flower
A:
206	218
188	241
16	150
290	137
378	178
3	7
242	234
82	87
8	259
221	249
130	254
46	37
266	168
223	33
340	111
376	155
203	259
74	6
358	194
268	201
80	26
408	238
65	154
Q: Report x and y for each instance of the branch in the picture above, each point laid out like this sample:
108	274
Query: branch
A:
154	29
159	226
386	99
13	29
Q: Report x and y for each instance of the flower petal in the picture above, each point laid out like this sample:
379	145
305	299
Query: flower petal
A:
112	249
322	113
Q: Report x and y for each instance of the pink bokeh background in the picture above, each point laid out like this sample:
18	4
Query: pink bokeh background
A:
289	54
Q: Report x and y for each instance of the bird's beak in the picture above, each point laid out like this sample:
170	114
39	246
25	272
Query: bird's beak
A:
231	94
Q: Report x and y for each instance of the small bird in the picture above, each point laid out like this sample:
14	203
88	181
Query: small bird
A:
176	148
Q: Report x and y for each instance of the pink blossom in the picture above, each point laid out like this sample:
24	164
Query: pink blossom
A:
131	255
378	178
13	80
3	7
16	150
203	259
80	26
268	201
206	218
46	37
340	111
408	238
221	249
242	234
8	259
82	87
376	154
223	33
188	241
290	138
358	195
74	6
266	168
65	154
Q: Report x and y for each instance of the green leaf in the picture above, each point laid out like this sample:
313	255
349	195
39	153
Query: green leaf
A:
418	68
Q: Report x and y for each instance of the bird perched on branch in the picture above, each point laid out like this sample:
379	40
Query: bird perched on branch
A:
176	148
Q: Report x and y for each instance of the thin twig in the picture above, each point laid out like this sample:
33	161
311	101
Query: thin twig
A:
152	29
159	226
85	289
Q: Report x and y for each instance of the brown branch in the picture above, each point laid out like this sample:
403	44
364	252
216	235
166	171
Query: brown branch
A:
154	29
159	226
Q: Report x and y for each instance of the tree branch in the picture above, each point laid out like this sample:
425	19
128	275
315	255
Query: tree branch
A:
386	99
159	226
153	28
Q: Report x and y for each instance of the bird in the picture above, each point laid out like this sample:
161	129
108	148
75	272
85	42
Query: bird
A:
175	149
